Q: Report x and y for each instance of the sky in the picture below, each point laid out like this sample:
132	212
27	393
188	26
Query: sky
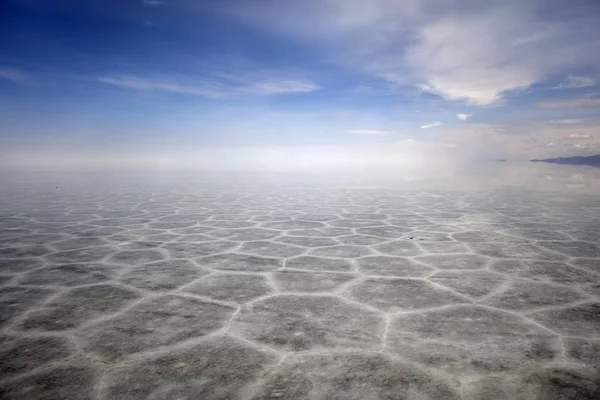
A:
311	84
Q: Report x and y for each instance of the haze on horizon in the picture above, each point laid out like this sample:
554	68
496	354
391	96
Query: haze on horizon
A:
284	85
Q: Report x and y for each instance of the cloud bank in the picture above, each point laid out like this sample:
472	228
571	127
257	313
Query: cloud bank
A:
464	50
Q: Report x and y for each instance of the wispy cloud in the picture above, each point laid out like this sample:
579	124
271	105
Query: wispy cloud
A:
368	131
579	136
272	87
575	82
154	3
132	82
573	121
215	88
432	125
12	74
525	141
461	50
463	117
581	102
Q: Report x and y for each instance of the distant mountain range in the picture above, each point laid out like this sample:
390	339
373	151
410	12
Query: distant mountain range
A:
579	160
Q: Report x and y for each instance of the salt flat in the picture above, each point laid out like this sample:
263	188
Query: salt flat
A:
298	290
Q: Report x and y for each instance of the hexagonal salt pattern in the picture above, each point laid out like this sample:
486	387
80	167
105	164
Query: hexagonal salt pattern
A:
230	290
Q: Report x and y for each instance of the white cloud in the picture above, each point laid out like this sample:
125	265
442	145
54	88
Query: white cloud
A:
581	102
463	117
215	88
579	136
462	50
566	121
432	125
153	3
12	74
368	131
132	82
272	87
471	58
575	82
525	141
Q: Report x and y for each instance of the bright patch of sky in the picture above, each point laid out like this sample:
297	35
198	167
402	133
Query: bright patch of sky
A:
462	79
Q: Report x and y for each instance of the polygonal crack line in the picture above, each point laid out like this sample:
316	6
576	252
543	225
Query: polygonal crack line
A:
472	251
253	386
436	271
11	280
513	277
117	284
365	277
64	363
355	266
555	307
503	287
163	251
566	256
421	263
32	334
489	261
158	351
255	345
278	258
37	306
271	280
570	236
564	353
45	264
204	299
122	310
520	238
384	333
583	269
442	287
182	288
237	245
52	287
429	309
274	241
106	258
524	316
340	289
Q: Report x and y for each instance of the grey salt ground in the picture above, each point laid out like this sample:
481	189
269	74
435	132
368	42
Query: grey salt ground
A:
298	291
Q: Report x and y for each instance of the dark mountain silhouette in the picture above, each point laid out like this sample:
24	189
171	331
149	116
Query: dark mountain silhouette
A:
578	160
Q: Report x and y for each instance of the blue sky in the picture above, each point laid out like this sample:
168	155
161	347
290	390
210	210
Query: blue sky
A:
157	82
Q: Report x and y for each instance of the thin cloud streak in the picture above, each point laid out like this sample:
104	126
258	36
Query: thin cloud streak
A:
132	82
582	102
154	3
566	121
13	75
579	136
368	131
432	125
576	82
213	89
